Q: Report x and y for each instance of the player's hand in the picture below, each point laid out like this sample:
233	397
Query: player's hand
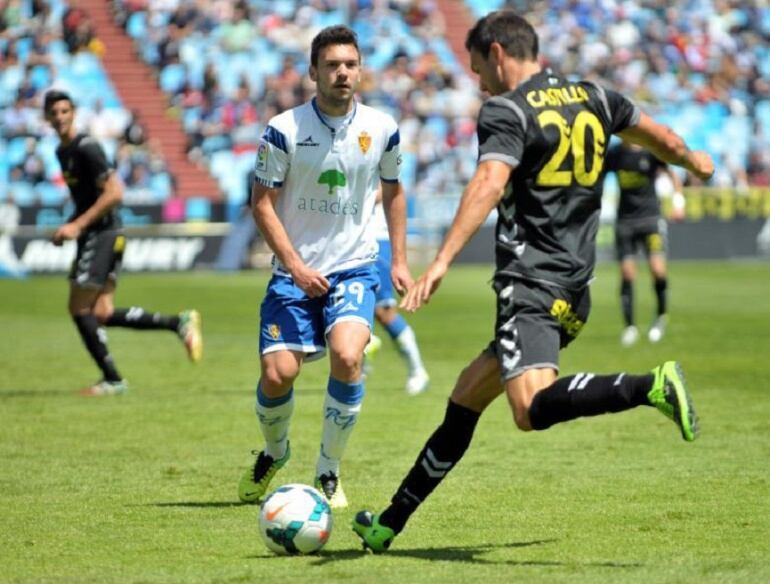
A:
701	164
401	278
66	232
424	287
310	281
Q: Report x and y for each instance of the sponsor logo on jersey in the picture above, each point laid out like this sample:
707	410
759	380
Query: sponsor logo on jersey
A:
274	330
364	142
332	178
308	142
262	156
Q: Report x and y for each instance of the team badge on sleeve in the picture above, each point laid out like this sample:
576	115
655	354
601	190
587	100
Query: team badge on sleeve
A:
364	142
262	156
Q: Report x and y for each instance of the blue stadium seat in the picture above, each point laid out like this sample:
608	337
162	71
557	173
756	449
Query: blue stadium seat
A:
22	192
50	194
197	209
136	26
172	78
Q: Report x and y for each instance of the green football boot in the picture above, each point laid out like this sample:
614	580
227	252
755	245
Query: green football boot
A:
190	334
374	536
256	479
669	394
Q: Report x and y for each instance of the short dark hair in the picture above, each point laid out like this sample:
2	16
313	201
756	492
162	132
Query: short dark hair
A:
333	35
513	32
54	95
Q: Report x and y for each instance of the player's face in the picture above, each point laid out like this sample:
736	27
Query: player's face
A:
61	116
489	72
337	75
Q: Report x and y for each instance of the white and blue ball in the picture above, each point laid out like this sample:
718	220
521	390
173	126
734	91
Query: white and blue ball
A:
295	519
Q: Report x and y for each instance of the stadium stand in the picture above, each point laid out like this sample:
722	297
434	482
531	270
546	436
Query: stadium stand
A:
226	67
50	44
702	66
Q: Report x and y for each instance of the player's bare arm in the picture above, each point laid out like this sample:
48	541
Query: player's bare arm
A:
394	205
310	281
112	195
668	146
482	194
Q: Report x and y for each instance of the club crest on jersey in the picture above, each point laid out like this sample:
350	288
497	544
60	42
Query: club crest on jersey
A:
262	156
274	330
364	142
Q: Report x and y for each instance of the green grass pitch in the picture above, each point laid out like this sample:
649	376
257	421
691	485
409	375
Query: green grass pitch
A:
142	488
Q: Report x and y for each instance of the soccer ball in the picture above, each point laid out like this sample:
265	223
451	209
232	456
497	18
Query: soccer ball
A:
295	519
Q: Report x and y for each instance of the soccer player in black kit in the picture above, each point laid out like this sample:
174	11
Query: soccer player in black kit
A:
640	225
542	142
95	224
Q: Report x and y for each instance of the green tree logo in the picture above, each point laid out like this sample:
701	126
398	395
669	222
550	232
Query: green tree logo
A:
332	178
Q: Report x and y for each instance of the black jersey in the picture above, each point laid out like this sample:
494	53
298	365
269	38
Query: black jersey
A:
555	133
85	169
636	170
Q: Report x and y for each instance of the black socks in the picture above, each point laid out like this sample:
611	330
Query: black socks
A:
586	394
627	301
95	340
661	285
138	318
439	455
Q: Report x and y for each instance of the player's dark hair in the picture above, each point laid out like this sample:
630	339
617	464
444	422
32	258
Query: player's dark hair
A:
54	95
332	35
514	33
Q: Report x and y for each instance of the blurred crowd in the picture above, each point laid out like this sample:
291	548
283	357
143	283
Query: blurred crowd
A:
703	66
48	43
228	67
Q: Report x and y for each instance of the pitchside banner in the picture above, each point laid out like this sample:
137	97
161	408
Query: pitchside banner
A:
719	224
156	248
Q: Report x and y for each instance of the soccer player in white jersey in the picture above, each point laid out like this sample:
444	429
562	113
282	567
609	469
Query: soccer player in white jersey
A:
387	314
319	167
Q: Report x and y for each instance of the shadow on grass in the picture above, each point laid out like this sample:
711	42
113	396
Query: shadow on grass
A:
462	554
200	504
14	393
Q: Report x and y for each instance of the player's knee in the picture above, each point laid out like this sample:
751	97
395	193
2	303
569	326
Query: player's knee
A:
78	309
347	359
277	379
385	314
521	418
103	313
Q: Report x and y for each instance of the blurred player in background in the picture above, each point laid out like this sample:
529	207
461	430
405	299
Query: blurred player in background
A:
97	193
386	313
542	142
639	225
318	170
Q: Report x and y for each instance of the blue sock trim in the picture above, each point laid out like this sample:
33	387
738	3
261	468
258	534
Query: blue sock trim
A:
396	327
346	393
272	402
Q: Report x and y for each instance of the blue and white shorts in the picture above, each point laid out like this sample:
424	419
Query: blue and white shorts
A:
291	321
385	295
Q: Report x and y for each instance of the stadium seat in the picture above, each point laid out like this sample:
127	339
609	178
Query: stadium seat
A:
50	194
197	209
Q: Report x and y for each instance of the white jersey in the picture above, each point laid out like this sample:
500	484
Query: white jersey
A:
380	223
329	180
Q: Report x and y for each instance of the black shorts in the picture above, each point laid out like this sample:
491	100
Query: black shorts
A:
650	235
534	322
98	259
